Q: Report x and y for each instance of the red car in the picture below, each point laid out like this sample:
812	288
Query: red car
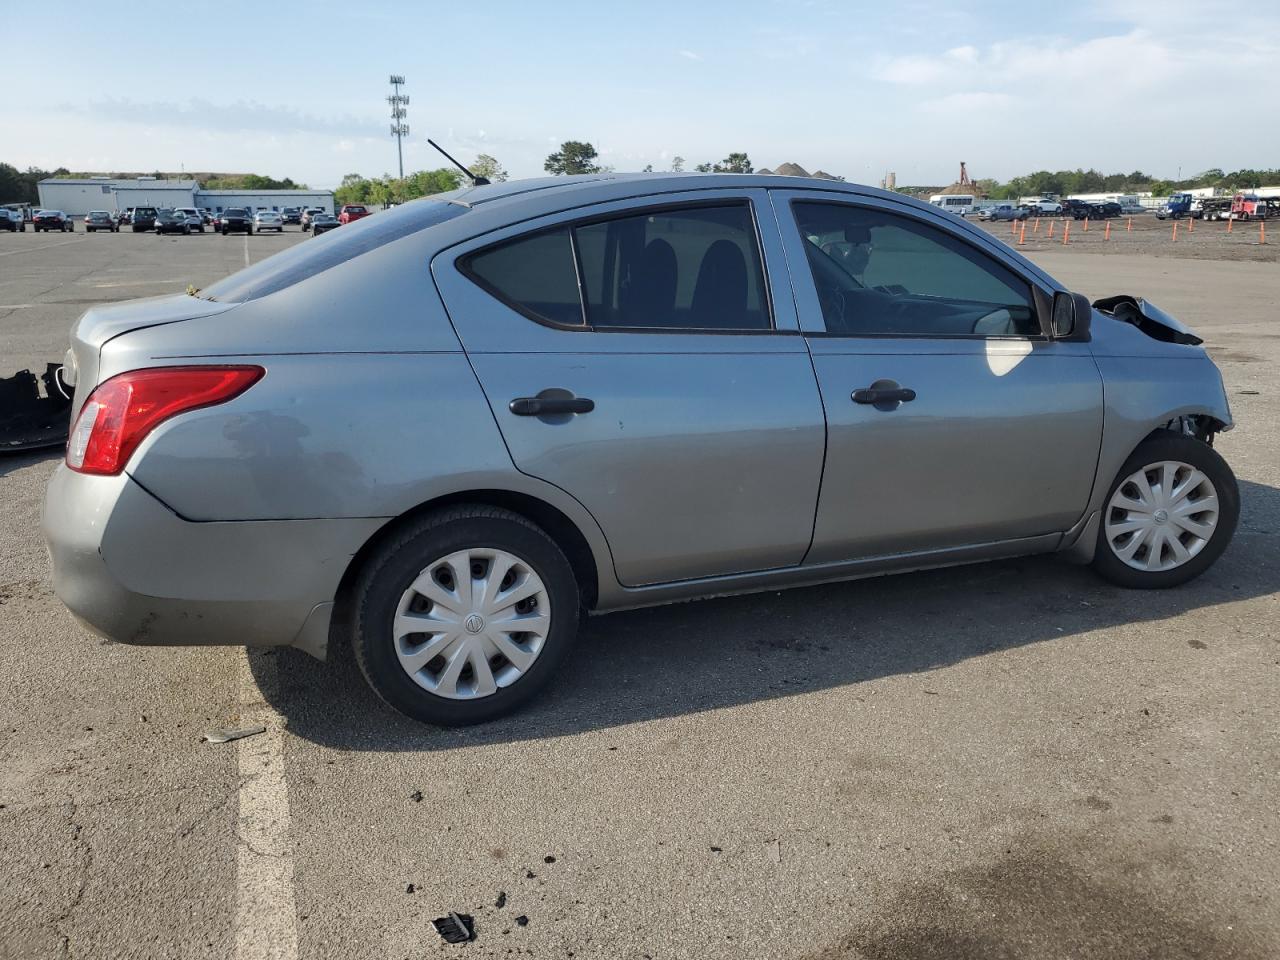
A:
351	212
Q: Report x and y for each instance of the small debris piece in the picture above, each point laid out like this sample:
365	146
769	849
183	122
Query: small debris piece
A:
548	859
142	717
522	920
1249	393
717	849
227	735
409	888
455	928
416	796
529	874
775	851
502	899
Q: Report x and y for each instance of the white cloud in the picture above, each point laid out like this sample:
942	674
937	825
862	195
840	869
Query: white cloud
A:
688	55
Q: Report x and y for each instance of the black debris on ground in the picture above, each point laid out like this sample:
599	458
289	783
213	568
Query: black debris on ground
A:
548	859
455	928
409	889
522	920
416	796
502	899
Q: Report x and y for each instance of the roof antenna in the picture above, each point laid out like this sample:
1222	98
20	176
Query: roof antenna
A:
475	181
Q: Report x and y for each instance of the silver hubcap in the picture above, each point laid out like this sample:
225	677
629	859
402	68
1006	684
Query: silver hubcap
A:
472	623
1161	516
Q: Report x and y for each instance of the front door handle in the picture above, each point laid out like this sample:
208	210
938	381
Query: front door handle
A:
884	391
550	406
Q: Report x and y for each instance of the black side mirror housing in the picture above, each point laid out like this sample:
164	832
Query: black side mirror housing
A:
1071	318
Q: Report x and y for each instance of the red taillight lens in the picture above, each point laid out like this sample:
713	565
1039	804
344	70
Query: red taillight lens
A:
121	412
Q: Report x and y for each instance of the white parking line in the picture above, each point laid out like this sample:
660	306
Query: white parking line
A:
265	923
43	246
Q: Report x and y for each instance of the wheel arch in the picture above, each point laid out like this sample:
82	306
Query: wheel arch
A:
582	557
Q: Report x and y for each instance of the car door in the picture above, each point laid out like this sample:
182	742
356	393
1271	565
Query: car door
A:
953	419
645	357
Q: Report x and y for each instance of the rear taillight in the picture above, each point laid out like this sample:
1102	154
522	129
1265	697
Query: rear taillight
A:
121	411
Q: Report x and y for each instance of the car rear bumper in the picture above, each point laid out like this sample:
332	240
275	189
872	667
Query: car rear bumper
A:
132	570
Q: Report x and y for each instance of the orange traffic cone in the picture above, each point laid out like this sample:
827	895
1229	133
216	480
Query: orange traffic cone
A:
1086	224
1022	234
1106	234
1191	224
1231	222
1036	227
1052	224
1129	228
1066	232
1175	230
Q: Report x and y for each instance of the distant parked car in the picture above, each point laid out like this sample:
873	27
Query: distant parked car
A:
124	217
1044	207
194	220
53	220
268	220
96	220
12	221
323	222
450	501
206	216
143	219
172	221
235	220
308	215
1003	211
291	215
351	212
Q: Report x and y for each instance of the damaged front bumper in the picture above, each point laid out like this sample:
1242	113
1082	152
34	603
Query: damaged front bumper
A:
29	418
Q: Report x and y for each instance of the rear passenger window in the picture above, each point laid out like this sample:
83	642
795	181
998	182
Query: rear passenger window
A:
693	268
690	269
534	274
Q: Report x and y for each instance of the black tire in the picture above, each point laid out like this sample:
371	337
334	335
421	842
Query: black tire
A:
249	231
395	565
225	231
1167	445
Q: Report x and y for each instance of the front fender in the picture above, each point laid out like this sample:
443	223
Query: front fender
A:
1143	394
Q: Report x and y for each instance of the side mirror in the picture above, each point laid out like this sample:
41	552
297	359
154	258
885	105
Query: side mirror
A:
1072	315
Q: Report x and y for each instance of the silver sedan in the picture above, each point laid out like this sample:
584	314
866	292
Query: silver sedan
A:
268	220
451	430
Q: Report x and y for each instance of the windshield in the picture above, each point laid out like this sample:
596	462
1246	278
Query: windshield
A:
306	260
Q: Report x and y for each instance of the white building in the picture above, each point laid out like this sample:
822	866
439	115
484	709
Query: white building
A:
78	197
217	200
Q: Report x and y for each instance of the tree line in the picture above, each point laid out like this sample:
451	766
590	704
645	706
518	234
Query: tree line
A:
384	190
578	157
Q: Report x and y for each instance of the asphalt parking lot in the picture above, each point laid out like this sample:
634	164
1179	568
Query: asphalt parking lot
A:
1005	760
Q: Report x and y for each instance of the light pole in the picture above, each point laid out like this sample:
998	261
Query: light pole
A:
399	110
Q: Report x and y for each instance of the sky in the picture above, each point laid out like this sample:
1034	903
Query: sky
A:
857	89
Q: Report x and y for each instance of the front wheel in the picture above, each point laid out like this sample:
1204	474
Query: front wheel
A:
464	616
1169	514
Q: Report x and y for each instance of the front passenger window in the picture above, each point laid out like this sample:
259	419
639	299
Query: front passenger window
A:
882	274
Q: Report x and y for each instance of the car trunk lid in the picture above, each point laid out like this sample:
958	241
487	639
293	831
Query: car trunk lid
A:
101	324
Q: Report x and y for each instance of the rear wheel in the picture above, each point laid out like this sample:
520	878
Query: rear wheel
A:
464	616
1169	514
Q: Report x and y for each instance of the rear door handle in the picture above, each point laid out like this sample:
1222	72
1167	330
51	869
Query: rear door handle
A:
877	395
549	406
